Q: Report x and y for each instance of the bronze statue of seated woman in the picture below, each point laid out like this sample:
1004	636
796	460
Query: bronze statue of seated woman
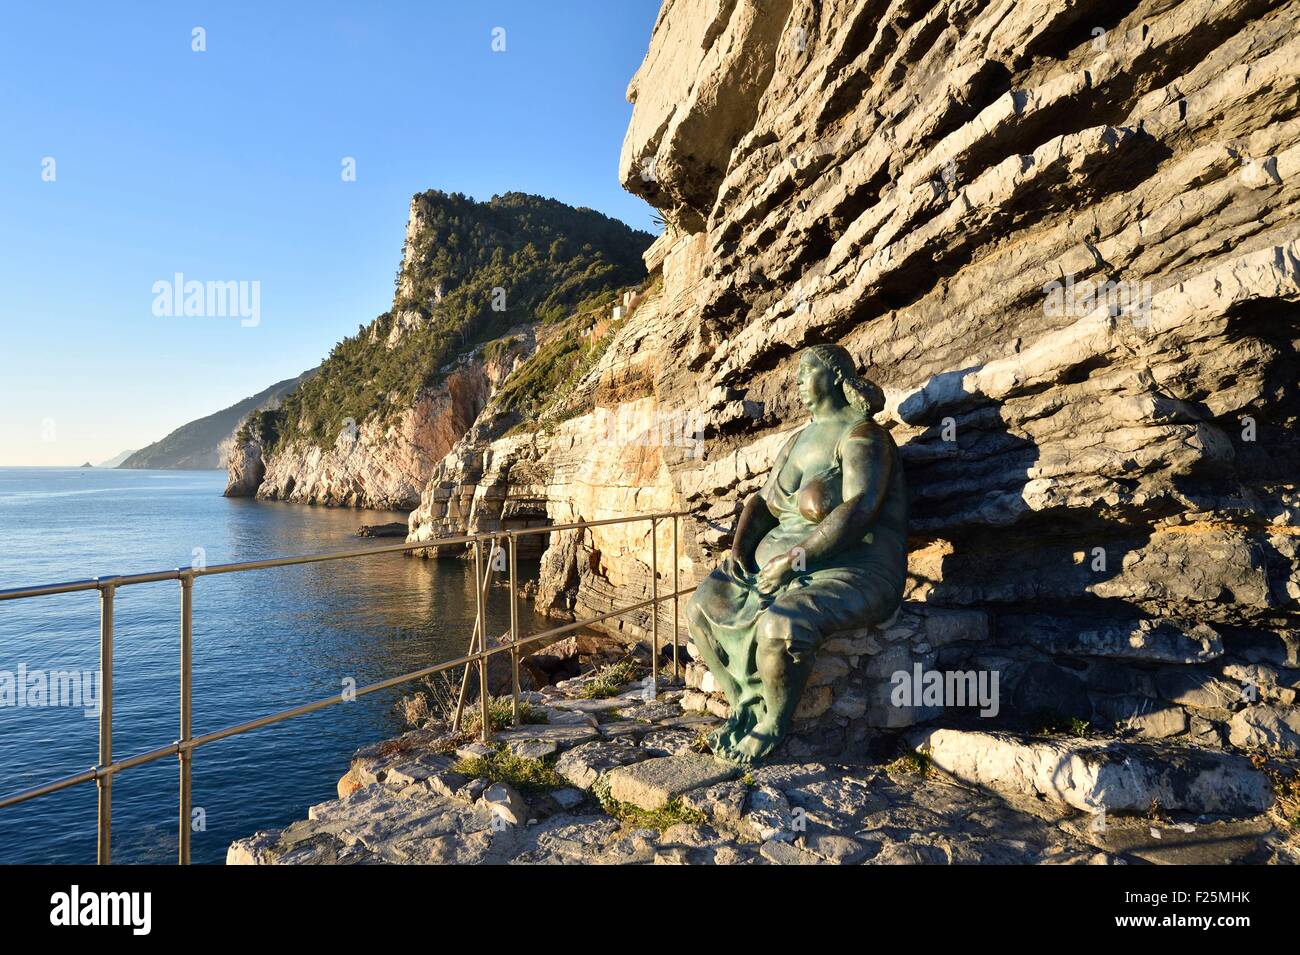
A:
820	549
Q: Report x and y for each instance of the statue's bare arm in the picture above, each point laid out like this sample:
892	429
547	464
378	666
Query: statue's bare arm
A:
756	518
752	526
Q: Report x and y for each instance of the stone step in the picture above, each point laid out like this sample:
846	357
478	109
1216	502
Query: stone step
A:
654	783
1097	775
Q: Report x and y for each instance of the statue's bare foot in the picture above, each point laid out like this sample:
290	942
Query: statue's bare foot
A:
734	728
756	744
721	736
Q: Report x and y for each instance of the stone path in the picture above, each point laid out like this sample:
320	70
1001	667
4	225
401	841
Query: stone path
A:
627	784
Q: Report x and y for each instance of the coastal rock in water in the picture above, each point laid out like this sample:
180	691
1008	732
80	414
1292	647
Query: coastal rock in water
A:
393	529
245	469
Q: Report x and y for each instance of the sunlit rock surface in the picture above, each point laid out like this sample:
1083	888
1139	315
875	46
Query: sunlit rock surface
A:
1063	237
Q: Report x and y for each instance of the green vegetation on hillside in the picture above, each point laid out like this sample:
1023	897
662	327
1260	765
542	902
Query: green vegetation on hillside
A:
547	378
476	269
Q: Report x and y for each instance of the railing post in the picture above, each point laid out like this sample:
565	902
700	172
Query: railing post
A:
464	678
184	753
514	627
677	674
654	606
485	727
104	779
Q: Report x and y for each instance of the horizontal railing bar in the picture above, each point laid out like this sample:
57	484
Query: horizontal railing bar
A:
240	728
139	759
586	621
73	586
45	589
319	558
547	528
46	788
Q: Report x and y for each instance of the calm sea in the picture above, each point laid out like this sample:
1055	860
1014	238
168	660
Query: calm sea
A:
263	641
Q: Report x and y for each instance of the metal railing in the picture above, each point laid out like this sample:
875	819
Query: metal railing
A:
479	653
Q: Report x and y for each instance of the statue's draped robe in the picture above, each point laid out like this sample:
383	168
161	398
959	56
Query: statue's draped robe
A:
859	584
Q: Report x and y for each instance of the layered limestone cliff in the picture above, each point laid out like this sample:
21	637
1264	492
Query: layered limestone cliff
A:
602	455
1063	236
386	464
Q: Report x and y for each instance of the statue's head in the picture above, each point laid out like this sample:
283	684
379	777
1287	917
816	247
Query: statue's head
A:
828	370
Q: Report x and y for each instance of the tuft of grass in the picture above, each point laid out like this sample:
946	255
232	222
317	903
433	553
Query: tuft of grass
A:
658	819
1286	790
502	766
435	702
391	747
414	709
1156	812
911	764
501	713
611	679
1054	724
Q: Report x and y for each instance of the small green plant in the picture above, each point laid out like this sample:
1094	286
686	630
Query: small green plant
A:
911	764
658	819
609	680
1054	724
503	766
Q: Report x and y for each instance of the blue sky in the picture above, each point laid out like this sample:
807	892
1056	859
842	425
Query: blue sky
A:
226	165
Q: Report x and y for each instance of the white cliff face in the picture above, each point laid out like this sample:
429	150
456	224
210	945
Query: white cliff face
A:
386	465
376	464
244	468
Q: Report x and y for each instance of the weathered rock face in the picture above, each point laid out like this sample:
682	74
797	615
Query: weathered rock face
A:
385	465
605	462
244	468
1063	236
1100	775
380	464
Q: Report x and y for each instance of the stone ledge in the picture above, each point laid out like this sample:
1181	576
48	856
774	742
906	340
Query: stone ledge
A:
655	783
1100	775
